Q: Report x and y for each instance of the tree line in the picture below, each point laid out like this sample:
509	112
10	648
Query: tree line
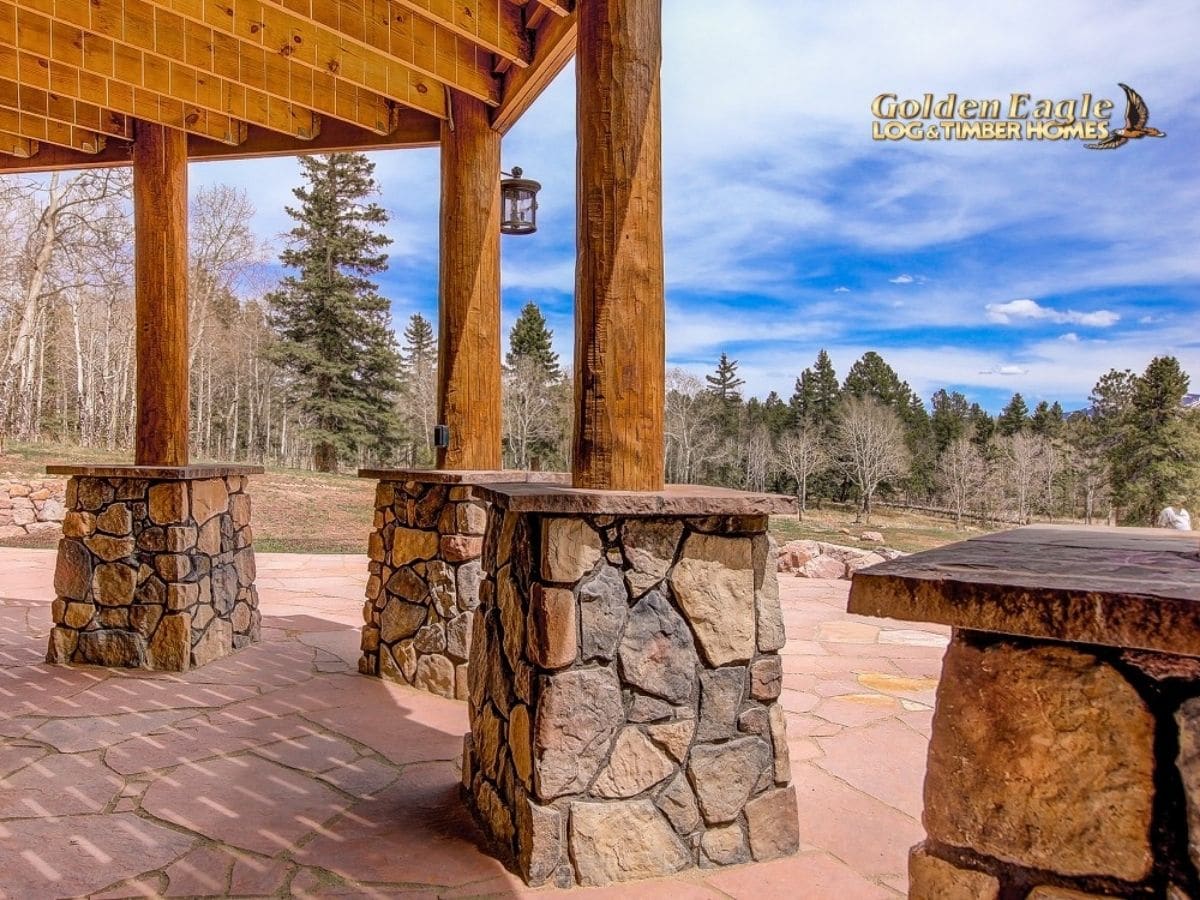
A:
306	371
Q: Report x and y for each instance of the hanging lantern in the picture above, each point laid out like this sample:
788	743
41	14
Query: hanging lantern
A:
518	203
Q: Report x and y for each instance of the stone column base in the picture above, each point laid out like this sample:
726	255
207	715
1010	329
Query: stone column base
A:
155	568
624	683
424	574
1071	767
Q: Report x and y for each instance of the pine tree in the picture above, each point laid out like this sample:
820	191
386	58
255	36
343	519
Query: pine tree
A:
950	419
1014	417
1047	420
535	393
531	339
418	358
1158	461
334	327
982	426
817	391
724	384
872	378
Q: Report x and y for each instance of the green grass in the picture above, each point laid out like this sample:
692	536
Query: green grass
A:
901	530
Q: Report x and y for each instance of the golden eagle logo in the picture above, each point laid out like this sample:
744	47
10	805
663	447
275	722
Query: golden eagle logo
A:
1136	117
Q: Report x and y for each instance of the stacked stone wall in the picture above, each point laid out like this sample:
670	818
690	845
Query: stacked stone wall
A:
154	574
1061	771
624	684
423	585
30	506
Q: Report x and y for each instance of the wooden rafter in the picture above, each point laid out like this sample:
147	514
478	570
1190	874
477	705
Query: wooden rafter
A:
42	130
98	55
112	93
18	146
415	130
495	25
384	57
555	46
33	101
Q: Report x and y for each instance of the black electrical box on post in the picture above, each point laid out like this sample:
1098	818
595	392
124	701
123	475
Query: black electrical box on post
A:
441	436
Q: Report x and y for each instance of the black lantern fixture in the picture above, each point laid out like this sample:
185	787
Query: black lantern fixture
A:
518	203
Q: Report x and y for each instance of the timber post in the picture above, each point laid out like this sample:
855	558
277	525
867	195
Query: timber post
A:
468	392
620	316
160	207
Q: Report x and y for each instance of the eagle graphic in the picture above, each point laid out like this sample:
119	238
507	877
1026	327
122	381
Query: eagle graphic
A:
1136	117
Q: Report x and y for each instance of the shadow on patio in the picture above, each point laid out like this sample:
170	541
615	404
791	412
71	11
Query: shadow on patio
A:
281	770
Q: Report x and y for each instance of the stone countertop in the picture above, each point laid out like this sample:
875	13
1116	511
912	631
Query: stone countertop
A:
465	476
673	500
1119	587
156	473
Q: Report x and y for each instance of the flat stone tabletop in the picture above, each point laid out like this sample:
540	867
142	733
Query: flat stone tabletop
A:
673	500
156	473
1120	587
464	476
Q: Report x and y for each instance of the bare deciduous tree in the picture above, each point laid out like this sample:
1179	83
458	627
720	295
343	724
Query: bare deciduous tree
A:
802	454
869	439
1022	452
692	435
961	474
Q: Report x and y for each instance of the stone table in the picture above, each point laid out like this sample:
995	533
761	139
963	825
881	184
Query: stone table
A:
1065	757
424	574
624	680
155	567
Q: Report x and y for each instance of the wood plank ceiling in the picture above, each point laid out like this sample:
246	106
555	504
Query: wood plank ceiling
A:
263	77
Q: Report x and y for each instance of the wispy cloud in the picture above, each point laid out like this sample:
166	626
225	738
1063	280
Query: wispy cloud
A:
1031	310
902	279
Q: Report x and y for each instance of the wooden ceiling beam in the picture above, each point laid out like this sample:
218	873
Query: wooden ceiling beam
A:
22	98
553	49
111	93
97	54
414	130
403	68
42	130
496	25
17	146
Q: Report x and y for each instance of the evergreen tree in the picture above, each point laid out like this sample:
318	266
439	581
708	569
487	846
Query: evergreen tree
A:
724	384
334	327
531	339
871	377
1047	420
816	397
982	426
950	419
418	357
1014	417
1158	460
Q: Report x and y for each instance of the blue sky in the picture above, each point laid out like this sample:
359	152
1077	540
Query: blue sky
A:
984	267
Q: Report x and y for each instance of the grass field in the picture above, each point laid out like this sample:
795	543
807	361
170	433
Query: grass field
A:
297	511
901	529
294	511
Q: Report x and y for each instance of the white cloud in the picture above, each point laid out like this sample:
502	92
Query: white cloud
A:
841	289
1031	310
1004	370
1070	337
902	279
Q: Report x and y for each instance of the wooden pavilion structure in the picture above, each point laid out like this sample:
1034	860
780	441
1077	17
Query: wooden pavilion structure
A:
156	567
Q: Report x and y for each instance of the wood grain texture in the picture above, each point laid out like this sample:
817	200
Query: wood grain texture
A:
620	316
161	270
468	396
554	47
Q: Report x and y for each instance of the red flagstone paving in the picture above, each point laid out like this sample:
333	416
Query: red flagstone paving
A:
279	771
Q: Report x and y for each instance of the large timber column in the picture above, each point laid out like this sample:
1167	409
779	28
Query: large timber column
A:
468	396
161	269
619	307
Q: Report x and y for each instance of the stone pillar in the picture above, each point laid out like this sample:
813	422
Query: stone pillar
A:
155	568
624	684
424	574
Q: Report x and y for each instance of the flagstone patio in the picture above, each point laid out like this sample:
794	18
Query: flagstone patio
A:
279	771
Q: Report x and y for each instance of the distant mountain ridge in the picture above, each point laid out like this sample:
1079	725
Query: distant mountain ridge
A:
1190	401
